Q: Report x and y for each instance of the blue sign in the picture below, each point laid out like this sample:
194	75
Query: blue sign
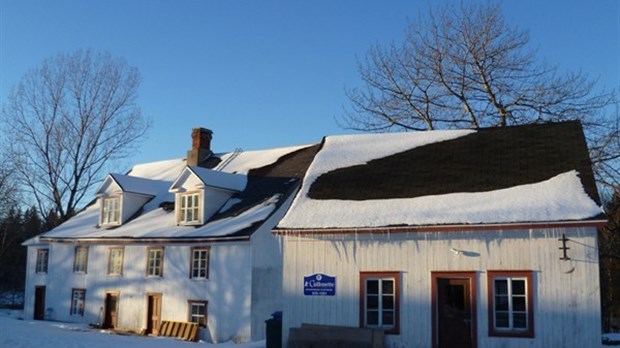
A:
319	285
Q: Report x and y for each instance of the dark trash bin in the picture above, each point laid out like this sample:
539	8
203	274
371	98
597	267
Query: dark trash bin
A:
274	330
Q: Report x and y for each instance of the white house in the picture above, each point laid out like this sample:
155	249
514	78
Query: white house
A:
459	238
180	240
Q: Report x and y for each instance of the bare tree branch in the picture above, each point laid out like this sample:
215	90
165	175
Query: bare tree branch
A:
66	121
465	67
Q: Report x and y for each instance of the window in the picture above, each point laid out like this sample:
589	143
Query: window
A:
379	293
42	260
155	264
80	262
198	312
510	303
115	261
78	300
200	263
189	208
111	211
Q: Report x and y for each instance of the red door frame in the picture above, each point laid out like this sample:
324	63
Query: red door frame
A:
472	277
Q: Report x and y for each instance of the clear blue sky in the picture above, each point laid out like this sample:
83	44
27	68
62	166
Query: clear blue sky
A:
264	74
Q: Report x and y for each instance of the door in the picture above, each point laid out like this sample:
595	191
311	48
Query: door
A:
110	318
454	311
153	313
39	303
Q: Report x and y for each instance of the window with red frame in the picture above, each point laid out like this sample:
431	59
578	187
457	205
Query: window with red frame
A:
511	312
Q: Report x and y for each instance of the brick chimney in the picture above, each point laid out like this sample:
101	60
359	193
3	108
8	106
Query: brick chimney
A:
201	146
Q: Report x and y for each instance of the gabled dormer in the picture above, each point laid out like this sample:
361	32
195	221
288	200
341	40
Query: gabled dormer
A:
200	193
121	196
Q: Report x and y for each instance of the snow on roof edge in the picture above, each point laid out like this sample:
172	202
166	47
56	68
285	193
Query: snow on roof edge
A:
556	199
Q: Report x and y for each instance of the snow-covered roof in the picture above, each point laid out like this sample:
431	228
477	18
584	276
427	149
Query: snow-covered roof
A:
132	184
212	178
242	162
366	181
240	216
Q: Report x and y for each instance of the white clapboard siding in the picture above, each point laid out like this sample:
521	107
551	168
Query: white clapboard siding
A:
228	289
566	304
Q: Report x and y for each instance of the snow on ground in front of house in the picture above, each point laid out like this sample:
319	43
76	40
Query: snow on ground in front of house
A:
612	338
559	198
17	333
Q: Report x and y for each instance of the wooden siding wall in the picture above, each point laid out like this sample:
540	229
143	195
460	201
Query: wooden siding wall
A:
131	203
228	289
566	299
266	273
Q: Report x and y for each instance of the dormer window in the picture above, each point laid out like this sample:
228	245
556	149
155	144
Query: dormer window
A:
111	211
201	192
190	212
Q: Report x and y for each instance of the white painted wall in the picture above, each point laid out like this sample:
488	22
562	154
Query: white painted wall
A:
266	273
130	204
228	288
567	305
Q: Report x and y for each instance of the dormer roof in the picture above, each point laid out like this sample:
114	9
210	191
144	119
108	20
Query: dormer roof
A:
210	178
268	179
128	184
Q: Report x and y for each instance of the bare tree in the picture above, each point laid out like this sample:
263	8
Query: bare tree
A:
66	121
609	254
466	67
9	195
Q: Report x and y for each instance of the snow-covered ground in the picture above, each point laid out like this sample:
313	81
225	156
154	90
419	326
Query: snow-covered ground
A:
612	339
16	333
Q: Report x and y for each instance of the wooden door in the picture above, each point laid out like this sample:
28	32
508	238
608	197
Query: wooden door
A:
110	319
39	303
454	313
153	319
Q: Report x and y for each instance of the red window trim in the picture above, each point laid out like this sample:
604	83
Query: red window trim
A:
529	275
397	283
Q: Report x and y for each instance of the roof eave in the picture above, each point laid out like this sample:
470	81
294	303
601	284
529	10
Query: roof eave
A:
153	240
597	222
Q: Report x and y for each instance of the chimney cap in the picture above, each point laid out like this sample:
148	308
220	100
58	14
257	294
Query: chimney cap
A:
202	130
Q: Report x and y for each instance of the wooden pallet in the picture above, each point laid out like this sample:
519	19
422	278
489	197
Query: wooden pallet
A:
179	329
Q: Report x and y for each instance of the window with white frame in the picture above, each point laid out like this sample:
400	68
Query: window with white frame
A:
200	263
115	261
189	212
379	301
78	301
155	262
111	211
510	303
80	261
42	260
197	312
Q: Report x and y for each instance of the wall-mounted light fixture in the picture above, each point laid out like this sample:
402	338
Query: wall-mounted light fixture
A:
564	248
